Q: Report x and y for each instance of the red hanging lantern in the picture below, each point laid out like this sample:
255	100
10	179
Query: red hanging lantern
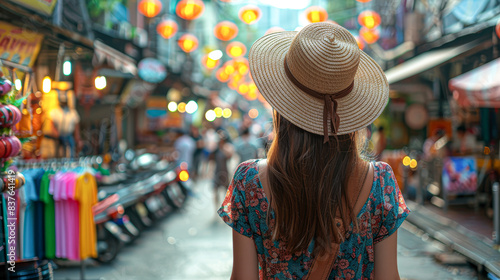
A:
149	8
369	19
249	14
209	63
363	1
274	29
370	36
167	28
221	75
225	30
241	65
316	14
188	43
361	45
497	28
236	49
190	9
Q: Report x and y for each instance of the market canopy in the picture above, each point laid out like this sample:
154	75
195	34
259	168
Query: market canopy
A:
425	61
119	61
479	87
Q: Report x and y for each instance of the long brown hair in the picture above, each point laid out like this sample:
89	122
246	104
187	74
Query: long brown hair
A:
308	183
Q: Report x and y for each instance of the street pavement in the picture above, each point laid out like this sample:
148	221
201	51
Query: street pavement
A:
194	244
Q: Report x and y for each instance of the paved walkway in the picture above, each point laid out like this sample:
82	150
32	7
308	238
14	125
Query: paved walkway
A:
193	244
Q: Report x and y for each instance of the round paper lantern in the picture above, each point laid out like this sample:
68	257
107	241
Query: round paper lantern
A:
233	84
190	9
209	63
249	14
188	43
369	19
361	45
241	65
316	14
243	88
370	36
221	75
236	49
363	1
274	29
149	8
167	28
497	28
225	30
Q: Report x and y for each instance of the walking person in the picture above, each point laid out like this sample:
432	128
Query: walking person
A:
244	146
314	208
221	157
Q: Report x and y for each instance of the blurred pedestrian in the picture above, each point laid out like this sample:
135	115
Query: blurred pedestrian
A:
185	147
429	147
465	143
245	146
221	157
198	152
302	212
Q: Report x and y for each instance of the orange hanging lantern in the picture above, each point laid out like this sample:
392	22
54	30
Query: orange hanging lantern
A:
361	45
233	84
236	49
188	43
221	75
149	8
209	63
497	28
370	36
225	30
316	14
190	9
251	95
167	28
274	29
369	19
243	88
241	65
363	1
249	14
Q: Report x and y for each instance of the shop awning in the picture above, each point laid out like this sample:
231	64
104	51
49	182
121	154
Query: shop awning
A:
425	61
119	61
479	87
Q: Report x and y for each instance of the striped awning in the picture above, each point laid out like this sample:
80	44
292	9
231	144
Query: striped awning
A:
479	87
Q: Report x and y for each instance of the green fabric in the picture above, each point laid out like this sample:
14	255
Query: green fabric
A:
49	215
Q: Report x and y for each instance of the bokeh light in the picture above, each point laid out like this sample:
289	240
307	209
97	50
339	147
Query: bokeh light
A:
226	113
181	107
172	106
253	113
210	115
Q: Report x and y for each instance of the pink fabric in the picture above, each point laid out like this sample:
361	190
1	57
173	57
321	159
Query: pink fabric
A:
73	222
59	194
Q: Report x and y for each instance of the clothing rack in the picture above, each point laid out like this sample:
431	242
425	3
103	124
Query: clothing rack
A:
54	164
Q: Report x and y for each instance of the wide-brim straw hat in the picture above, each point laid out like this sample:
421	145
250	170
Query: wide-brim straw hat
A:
323	58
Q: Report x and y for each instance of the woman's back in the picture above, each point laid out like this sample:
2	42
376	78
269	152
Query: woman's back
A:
245	210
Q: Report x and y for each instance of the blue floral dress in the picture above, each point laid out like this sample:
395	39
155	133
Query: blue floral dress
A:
245	210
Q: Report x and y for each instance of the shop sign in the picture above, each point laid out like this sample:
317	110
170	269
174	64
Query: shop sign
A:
152	70
459	175
19	45
45	7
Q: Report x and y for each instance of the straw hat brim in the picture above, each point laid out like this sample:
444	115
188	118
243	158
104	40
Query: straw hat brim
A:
357	110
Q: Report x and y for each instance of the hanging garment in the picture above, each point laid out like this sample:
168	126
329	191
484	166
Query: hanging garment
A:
86	194
73	218
49	214
30	196
39	216
60	214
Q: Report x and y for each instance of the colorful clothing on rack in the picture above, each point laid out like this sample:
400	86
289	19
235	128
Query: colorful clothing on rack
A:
30	197
49	214
86	194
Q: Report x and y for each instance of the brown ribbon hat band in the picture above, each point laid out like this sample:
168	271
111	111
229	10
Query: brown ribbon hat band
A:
330	100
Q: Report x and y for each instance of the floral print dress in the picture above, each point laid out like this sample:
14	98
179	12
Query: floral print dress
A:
245	210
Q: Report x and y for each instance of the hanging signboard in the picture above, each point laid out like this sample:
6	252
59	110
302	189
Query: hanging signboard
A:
152	70
45	7
19	45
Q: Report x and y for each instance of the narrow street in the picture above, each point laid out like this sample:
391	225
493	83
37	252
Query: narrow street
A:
194	244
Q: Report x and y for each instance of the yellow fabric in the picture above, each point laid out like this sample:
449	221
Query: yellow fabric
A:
86	194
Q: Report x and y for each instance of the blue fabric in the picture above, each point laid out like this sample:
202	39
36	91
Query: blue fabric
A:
32	222
245	209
